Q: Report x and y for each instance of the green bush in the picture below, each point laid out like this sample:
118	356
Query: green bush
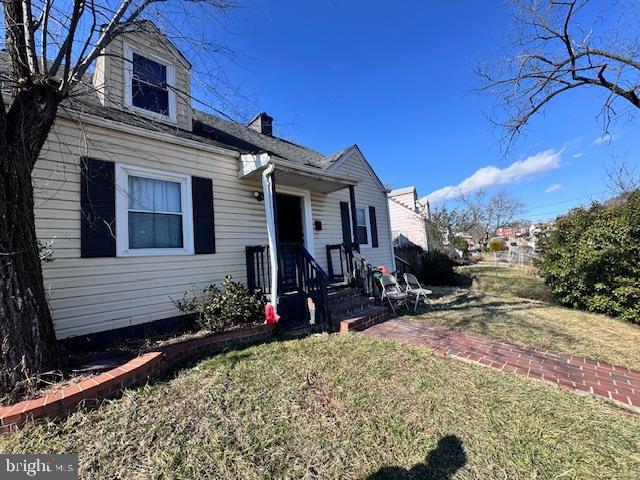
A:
221	310
461	244
436	268
591	259
497	245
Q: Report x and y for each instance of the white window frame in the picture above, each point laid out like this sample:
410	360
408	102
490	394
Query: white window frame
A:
129	50
367	224
122	211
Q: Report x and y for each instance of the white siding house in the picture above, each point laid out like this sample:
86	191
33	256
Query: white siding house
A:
120	257
409	220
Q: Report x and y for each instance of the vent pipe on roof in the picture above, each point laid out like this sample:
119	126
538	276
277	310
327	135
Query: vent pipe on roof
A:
262	123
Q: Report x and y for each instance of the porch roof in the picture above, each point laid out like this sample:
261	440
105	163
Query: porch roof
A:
293	174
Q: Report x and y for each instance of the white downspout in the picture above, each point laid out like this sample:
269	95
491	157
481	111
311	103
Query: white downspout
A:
267	191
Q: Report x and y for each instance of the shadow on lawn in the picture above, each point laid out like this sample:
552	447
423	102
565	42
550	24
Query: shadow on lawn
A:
441	463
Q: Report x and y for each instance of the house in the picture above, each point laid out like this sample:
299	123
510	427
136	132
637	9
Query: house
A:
410	222
146	197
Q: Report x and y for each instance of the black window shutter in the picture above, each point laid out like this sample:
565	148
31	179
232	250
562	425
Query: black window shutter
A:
374	227
204	240
346	223
97	208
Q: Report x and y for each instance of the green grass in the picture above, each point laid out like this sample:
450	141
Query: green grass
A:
344	407
494	307
507	281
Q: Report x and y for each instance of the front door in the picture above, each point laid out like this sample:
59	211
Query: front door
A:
290	233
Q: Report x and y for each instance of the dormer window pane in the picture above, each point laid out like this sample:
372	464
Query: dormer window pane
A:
149	88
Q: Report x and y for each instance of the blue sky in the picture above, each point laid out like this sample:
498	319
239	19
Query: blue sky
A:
397	79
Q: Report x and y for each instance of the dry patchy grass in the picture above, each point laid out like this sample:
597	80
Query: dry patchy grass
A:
344	407
496	306
507	281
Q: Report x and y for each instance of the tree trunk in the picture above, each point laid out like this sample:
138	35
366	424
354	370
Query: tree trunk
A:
28	338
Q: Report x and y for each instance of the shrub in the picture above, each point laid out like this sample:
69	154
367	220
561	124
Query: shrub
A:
220	310
497	245
436	268
460	243
590	259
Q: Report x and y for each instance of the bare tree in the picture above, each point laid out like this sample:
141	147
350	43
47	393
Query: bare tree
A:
503	209
622	177
481	216
563	45
51	46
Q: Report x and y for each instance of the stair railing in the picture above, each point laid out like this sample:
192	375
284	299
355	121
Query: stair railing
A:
354	269
298	271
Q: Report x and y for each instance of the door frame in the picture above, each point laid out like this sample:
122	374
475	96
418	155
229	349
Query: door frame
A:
307	215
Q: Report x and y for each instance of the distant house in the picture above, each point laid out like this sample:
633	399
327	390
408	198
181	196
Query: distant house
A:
146	197
410	221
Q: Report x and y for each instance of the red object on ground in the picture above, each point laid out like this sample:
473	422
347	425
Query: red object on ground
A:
270	314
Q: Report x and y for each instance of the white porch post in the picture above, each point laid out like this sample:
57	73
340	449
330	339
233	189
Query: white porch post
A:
267	189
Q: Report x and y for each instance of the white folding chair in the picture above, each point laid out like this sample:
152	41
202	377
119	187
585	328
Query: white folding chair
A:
414	289
392	293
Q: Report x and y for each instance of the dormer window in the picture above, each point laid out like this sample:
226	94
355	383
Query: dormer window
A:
149	82
149	89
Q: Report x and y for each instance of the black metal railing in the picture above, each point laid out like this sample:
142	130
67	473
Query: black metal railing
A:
259	268
353	269
298	272
309	277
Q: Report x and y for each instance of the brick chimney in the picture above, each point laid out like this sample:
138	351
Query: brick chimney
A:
262	123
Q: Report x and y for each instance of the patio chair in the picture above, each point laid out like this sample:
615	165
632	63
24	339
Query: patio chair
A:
414	289
392	293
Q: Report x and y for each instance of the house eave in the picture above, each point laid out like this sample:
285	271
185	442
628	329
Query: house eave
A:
293	174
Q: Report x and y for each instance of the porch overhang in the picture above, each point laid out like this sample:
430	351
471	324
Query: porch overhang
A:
293	174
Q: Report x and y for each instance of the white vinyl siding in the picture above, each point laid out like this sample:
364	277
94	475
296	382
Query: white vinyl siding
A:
407	223
368	193
89	295
93	294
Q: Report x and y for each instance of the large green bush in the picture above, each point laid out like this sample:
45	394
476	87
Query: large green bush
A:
437	268
591	259
223	309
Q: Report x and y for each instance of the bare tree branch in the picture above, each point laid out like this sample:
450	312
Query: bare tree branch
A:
550	58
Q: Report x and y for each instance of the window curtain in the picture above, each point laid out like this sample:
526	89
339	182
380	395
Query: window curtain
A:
153	195
157	226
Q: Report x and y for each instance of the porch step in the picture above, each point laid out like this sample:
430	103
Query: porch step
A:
340	294
361	319
350	305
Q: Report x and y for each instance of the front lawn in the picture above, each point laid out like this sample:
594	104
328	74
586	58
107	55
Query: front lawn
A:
344	407
507	281
498	305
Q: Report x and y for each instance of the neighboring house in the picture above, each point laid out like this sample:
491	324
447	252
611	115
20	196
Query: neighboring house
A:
147	197
409	219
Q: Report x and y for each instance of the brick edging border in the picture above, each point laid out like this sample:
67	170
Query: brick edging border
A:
139	371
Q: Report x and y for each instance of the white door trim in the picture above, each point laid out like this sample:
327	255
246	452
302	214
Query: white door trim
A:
307	214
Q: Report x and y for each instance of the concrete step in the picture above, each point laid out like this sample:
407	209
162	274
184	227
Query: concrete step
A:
361	319
349	305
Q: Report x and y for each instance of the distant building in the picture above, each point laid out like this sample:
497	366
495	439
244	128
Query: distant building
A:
410	220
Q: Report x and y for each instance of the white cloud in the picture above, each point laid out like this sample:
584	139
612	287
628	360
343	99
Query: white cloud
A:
606	138
577	155
493	176
553	188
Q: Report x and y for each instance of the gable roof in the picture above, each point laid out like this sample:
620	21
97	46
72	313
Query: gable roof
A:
344	154
402	191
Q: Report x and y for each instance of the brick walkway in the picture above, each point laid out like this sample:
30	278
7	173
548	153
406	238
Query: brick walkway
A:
581	375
